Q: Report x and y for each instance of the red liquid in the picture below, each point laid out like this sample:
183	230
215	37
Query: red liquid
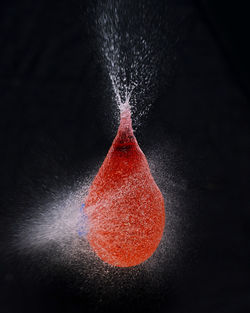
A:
125	208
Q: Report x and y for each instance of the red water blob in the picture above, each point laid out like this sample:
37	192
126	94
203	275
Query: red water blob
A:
125	208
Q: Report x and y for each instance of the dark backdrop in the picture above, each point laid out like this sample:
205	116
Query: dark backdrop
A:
52	120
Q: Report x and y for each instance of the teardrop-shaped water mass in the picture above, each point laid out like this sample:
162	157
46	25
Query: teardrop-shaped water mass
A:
124	206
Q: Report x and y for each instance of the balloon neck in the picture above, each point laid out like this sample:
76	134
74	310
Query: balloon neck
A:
125	135
126	121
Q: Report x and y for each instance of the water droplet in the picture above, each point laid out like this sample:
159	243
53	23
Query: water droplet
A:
124	206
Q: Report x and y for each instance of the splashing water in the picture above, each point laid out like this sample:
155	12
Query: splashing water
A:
124	206
128	38
131	50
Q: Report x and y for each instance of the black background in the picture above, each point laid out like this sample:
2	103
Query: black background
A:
52	120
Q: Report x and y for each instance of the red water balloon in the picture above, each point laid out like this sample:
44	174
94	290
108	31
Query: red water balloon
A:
125	208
